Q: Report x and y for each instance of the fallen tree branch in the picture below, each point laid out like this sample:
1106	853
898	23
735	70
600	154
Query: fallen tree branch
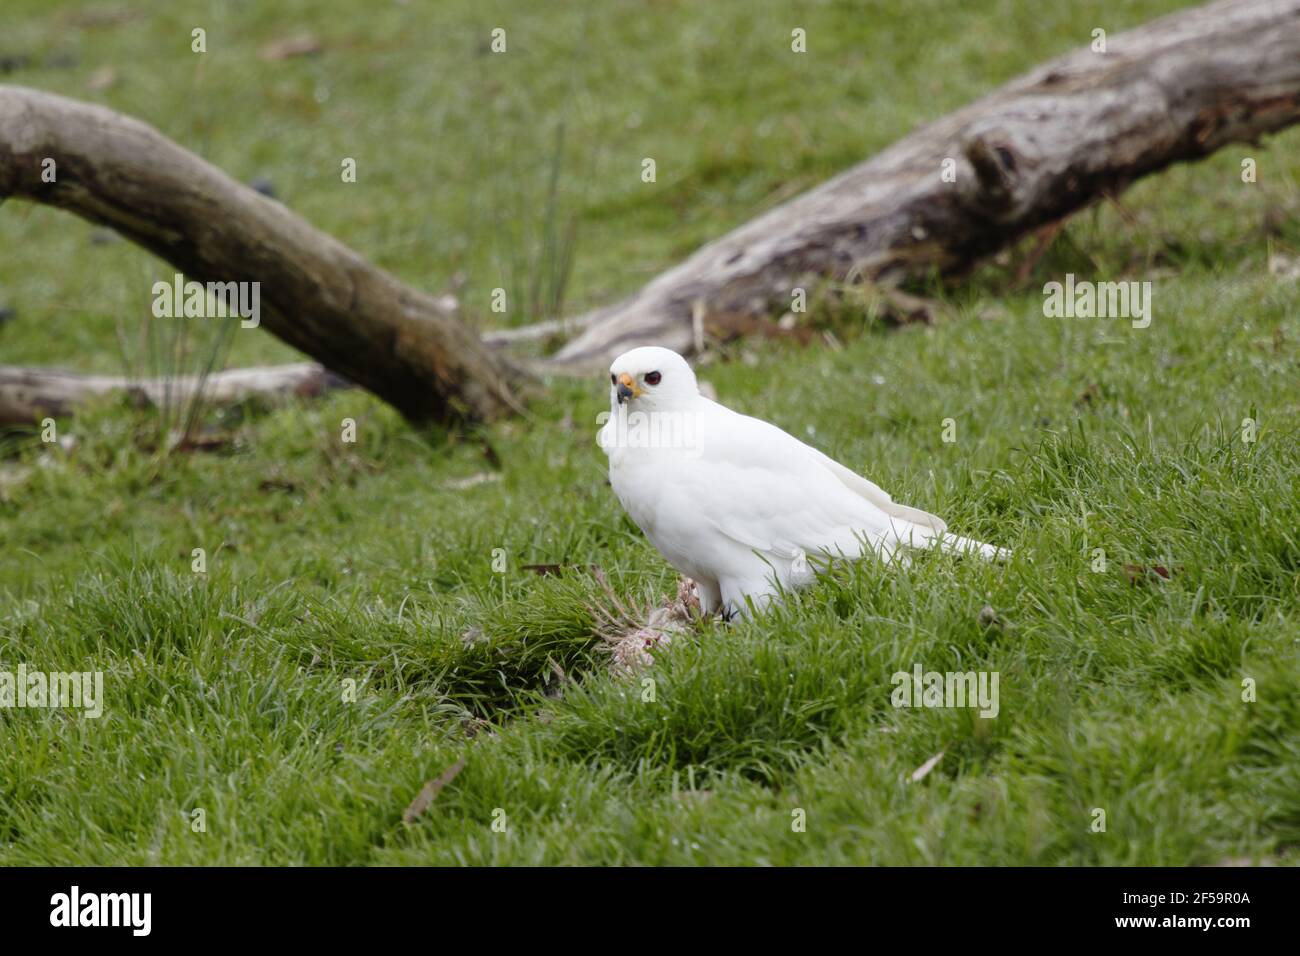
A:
29	394
404	345
537	331
1076	129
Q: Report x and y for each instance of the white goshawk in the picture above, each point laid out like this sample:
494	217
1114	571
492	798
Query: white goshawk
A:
735	503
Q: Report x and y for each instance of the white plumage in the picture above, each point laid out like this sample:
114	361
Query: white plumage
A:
734	502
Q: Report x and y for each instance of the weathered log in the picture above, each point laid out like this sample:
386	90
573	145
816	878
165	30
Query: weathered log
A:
404	345
1078	128
29	394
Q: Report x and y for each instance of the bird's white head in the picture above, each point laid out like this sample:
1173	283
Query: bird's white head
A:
651	378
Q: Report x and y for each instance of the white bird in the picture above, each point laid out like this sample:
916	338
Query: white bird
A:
735	503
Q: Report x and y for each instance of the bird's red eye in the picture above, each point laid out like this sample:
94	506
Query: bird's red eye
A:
652	378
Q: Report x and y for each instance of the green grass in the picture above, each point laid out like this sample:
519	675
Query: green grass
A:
329	562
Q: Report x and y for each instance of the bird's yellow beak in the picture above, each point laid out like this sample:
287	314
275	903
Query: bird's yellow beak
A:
627	388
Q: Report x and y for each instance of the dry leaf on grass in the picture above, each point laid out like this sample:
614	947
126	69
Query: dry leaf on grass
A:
1142	572
431	790
921	772
304	44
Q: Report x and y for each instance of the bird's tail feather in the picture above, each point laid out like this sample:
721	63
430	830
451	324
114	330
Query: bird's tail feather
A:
922	536
960	545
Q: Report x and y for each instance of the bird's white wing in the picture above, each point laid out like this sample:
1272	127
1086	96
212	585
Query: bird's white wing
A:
770	492
875	494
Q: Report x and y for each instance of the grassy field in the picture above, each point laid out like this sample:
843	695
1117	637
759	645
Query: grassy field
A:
333	565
